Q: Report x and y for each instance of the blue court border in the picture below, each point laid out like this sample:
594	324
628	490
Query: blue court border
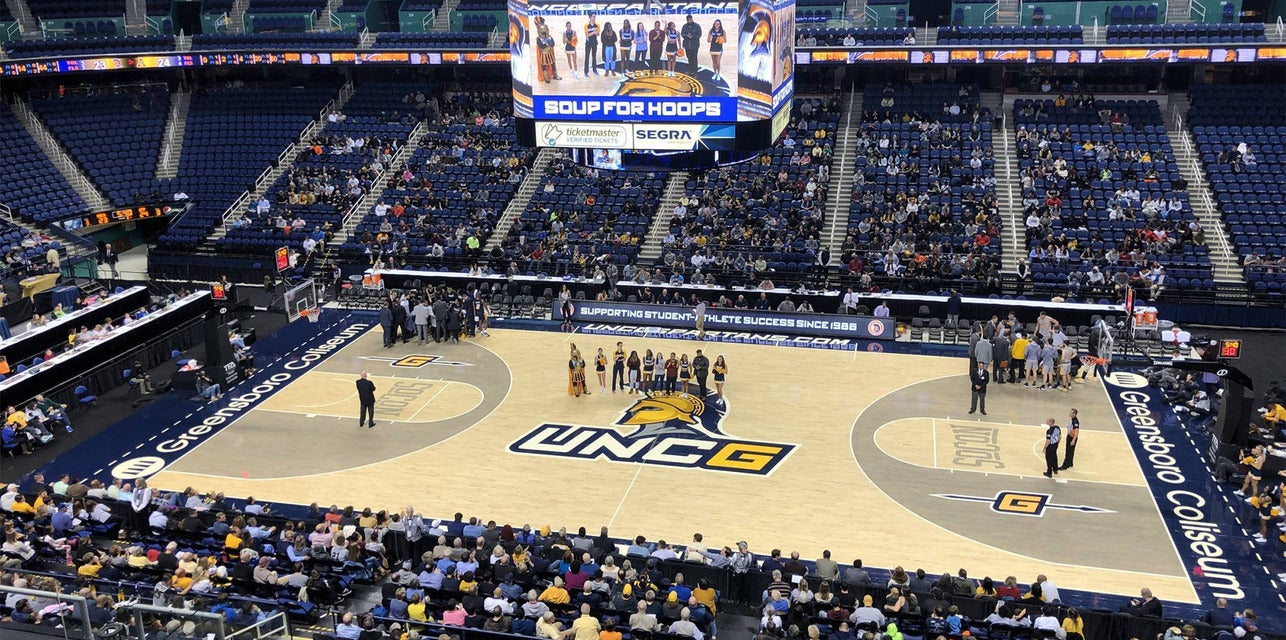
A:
1254	567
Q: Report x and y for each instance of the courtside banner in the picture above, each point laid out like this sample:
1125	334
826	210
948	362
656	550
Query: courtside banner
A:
863	327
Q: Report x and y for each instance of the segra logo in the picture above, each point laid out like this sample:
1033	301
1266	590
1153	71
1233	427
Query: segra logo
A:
669	429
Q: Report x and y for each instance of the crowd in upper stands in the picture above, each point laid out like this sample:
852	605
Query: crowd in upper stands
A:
447	199
1104	206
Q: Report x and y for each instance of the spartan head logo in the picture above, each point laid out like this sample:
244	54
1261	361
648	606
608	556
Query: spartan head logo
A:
757	31
659	86
658	414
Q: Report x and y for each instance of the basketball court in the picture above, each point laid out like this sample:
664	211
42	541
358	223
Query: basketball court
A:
872	453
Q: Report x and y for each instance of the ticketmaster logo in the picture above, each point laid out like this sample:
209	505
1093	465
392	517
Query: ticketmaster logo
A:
589	132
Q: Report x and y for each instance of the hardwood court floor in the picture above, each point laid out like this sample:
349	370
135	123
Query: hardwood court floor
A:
871	455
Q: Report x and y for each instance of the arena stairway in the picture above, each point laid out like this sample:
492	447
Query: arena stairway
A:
674	189
167	165
1013	244
268	178
355	215
52	148
841	192
1228	273
25	19
522	197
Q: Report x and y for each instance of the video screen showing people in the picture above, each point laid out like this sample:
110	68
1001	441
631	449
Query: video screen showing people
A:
634	49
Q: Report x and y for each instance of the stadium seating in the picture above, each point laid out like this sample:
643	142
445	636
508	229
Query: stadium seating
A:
57	9
431	40
747	222
582	219
87	46
121	159
31	185
366	133
1080	166
1006	36
924	212
1186	33
275	41
1132	14
871	36
232	136
22	253
1247	181
455	186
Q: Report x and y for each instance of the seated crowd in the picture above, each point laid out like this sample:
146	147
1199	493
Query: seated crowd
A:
741	224
1104	206
447	199
244	559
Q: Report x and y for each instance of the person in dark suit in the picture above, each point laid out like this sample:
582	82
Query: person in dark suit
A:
1145	606
978	379
366	398
386	323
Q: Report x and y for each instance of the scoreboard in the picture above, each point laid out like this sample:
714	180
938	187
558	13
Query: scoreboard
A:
639	76
126	214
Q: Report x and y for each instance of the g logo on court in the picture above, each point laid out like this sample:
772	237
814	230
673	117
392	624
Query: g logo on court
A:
416	361
1021	504
673	430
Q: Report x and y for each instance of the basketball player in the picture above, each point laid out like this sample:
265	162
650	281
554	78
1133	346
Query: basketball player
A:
634	364
609	49
366	402
618	367
1048	354
627	45
658	371
1031	358
1052	435
591	45
1073	433
640	47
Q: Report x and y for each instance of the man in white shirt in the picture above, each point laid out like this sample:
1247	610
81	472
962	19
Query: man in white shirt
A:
882	311
850	302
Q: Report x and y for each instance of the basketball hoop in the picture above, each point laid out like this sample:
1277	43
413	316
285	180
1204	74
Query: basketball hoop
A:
313	314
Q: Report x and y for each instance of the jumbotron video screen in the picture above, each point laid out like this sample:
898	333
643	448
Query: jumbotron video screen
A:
652	76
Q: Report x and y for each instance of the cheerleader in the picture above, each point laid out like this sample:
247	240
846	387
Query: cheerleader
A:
716	38
720	372
648	363
671	47
570	40
600	367
633	364
685	373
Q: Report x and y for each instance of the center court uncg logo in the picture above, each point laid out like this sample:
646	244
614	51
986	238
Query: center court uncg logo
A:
670	430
